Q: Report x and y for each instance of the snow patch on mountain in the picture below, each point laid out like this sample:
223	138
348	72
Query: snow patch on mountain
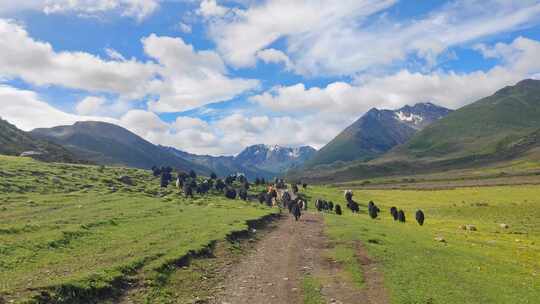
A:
409	117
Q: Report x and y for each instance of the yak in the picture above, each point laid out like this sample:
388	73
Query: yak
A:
394	213
188	191
242	193
338	209
230	193
401	216
420	217
296	210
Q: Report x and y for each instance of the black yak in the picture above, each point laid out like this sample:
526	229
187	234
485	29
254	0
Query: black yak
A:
188	191
330	206
268	199
401	216
373	210
242	193
394	213
338	209
295	188
420	217
304	185
220	185
348	195
355	208
261	197
296	210
230	193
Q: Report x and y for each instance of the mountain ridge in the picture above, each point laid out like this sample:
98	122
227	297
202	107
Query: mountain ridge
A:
376	132
501	127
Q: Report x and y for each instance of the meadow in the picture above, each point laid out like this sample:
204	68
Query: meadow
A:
76	233
490	265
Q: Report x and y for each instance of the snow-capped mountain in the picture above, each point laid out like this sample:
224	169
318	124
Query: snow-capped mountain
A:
421	114
255	161
274	158
378	131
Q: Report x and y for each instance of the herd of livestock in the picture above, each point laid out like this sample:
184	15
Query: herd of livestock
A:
276	194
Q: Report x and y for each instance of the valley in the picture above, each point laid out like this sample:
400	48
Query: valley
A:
86	221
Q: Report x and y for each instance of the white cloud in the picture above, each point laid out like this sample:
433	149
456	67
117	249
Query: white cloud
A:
37	63
27	111
450	89
114	54
274	56
138	9
184	27
339	40
182	78
209	8
190	78
90	105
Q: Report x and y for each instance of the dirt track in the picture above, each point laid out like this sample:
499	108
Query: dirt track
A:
274	271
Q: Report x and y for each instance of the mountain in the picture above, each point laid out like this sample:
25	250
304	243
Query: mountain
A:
376	132
274	158
254	161
109	144
14	141
504	126
481	128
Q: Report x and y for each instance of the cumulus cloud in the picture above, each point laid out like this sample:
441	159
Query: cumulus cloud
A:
138	9
90	105
209	8
519	60
341	40
27	111
190	78
274	56
38	63
181	79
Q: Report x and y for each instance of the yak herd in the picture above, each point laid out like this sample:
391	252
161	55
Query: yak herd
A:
373	209
187	182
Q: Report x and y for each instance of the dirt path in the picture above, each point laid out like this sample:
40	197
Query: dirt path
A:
274	271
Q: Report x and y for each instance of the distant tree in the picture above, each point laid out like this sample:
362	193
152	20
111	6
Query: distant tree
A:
192	174
257	181
263	181
213	175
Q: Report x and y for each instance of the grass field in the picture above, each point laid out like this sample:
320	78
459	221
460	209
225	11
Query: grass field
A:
77	233
490	265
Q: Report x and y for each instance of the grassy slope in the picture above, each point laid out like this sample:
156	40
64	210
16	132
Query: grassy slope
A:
68	228
492	265
497	128
14	141
482	127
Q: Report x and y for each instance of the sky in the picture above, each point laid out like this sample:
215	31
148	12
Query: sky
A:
212	77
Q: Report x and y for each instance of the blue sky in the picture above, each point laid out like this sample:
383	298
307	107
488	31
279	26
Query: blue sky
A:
215	76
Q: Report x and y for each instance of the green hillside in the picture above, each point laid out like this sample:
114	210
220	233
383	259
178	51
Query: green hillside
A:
14	142
77	234
108	144
501	127
484	127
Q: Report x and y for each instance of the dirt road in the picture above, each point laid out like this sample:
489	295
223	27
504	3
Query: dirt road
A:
274	271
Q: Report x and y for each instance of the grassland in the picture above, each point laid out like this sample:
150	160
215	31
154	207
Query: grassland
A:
75	233
490	265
